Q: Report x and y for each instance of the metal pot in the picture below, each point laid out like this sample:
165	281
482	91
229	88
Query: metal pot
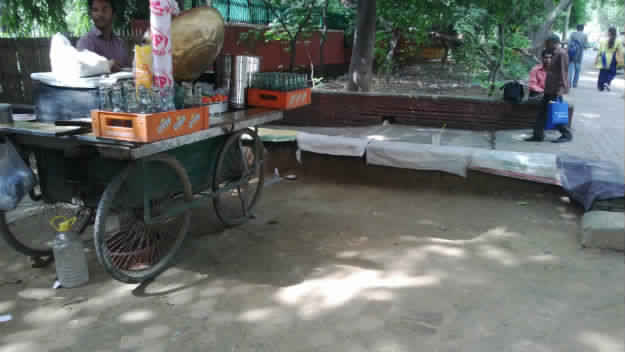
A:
242	69
197	38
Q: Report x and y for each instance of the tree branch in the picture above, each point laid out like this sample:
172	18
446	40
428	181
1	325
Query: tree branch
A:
273	11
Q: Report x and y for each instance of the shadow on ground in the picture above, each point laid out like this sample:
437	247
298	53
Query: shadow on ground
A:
345	267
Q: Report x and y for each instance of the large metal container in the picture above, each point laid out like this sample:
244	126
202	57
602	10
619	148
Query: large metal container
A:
242	69
197	39
71	99
224	72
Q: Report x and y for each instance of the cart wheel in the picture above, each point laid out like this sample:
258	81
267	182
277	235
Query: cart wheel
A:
27	228
239	177
128	248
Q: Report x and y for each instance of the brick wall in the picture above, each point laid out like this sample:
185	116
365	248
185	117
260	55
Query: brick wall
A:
275	56
358	109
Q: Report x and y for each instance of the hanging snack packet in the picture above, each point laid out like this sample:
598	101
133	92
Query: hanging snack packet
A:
143	66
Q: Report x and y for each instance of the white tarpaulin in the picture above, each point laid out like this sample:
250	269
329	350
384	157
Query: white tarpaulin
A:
331	145
538	167
454	160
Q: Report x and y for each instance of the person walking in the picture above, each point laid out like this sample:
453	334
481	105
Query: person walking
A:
578	42
556	85
609	58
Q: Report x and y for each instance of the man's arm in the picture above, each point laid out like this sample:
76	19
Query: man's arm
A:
534	84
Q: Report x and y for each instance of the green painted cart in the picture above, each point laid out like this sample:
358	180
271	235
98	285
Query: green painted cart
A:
137	198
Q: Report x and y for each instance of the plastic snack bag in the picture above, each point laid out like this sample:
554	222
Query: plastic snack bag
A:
16	178
143	66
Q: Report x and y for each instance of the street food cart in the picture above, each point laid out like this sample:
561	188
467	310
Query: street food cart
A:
134	179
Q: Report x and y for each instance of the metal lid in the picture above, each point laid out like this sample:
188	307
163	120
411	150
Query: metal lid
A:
51	79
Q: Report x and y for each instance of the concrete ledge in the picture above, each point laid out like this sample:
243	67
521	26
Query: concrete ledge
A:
603	229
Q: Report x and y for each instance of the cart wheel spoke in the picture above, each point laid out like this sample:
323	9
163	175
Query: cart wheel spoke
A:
134	251
238	179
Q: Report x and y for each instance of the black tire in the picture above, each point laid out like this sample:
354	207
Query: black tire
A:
111	249
230	169
30	232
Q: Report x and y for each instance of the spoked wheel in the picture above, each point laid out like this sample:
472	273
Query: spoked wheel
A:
239	177
128	248
27	228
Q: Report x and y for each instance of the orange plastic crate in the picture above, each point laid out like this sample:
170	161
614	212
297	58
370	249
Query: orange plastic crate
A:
278	100
145	128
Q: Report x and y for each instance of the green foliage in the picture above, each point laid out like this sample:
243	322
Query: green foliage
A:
45	17
77	17
23	17
612	14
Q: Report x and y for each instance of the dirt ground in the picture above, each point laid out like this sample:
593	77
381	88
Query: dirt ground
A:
421	78
345	267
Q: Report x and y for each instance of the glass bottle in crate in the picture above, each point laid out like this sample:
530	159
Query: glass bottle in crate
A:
188	94
198	93
116	99
130	93
145	101
156	99
105	98
168	95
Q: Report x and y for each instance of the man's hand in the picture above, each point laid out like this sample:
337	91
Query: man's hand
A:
115	66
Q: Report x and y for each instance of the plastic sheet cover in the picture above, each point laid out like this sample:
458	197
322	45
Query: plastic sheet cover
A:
591	181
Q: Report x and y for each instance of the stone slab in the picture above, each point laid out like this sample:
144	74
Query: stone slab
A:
603	229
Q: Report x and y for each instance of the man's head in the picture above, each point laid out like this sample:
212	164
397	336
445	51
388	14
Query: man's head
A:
612	33
580	27
101	12
552	41
547	58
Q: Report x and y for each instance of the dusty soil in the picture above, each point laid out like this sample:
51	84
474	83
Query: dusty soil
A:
345	267
423	78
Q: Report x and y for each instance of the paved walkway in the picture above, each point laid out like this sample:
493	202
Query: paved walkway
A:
598	124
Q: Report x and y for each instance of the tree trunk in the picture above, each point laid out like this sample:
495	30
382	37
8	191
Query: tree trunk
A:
324	37
567	23
552	14
361	64
495	71
293	52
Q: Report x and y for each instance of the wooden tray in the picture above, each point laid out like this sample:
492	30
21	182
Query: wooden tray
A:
278	100
145	128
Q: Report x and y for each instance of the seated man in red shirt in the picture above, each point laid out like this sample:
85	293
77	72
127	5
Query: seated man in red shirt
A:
538	76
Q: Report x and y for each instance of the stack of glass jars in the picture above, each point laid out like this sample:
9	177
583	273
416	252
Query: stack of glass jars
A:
126	97
280	81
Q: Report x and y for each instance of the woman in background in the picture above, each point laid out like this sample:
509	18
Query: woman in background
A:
609	58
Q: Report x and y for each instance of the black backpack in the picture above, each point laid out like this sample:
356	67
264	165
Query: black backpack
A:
513	92
575	49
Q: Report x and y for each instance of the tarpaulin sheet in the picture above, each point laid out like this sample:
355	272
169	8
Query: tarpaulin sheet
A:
453	160
590	181
536	167
331	145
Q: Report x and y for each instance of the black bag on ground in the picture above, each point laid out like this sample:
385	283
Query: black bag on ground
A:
513	92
